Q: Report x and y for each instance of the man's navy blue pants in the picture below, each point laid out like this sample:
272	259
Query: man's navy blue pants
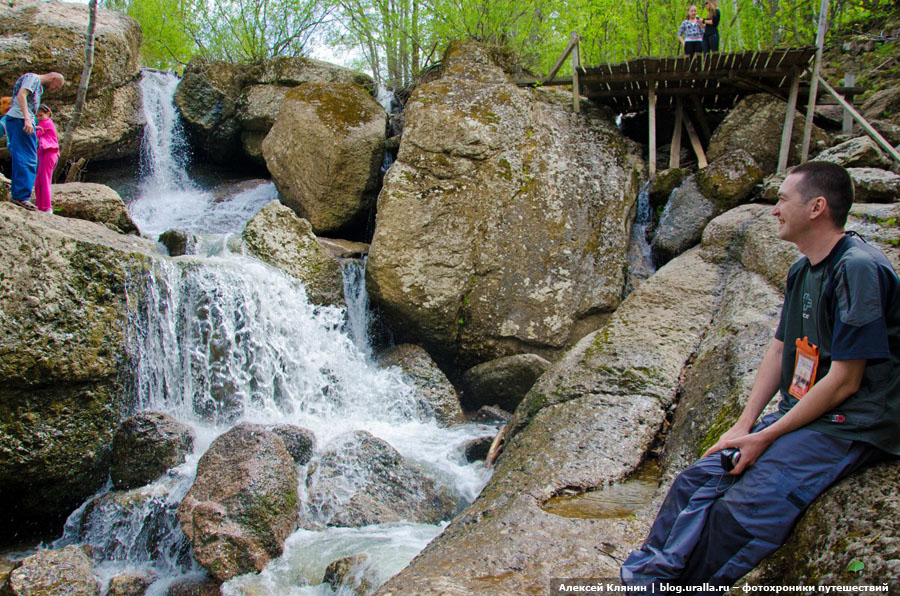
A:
23	151
714	528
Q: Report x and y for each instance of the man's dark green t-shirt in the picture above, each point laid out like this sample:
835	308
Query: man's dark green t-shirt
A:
849	306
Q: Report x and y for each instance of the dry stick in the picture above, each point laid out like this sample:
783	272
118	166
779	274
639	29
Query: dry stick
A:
83	83
494	451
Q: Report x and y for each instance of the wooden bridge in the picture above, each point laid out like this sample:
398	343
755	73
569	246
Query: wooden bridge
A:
706	82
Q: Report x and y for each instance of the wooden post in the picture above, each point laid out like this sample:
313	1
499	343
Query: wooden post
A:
849	81
573	41
813	84
652	115
788	129
675	154
882	142
695	143
576	64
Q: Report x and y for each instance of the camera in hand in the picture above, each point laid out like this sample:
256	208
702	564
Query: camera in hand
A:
730	458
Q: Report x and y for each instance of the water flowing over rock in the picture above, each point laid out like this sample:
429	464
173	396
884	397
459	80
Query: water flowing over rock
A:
502	382
145	446
49	36
435	395
131	584
755	125
502	226
349	573
861	152
299	442
361	480
230	108
65	572
178	242
325	151
62	356
243	503
277	236
93	202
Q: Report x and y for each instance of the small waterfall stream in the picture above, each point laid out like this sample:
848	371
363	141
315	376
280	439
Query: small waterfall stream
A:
222	338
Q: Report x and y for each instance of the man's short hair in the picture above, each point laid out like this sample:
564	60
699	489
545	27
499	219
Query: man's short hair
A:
829	180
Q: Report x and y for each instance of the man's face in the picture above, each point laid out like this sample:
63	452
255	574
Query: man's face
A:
791	210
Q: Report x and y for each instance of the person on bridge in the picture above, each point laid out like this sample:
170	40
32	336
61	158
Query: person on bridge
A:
834	360
710	42
690	33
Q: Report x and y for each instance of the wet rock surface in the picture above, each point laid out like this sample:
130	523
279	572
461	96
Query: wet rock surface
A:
362	480
483	246
349	574
502	382
299	442
62	350
435	395
682	222
146	446
131	584
325	152
178	242
278	237
65	572
243	503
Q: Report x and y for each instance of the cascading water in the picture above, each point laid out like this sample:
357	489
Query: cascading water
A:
222	339
640	256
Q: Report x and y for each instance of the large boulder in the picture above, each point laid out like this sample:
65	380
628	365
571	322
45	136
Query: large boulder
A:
860	152
884	104
325	152
49	36
65	572
502	382
229	108
93	202
146	446
243	504
361	480
502	226
602	409
681	225
874	185
278	237
755	124
729	179
63	363
435	395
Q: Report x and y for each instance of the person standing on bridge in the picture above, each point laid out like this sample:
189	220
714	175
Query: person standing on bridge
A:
711	27
690	34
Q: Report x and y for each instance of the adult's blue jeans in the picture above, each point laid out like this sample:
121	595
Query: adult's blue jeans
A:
23	151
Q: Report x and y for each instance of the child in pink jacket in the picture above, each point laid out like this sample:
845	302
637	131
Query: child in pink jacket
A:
48	155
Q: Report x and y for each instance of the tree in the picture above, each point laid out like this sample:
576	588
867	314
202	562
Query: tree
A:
66	146
167	43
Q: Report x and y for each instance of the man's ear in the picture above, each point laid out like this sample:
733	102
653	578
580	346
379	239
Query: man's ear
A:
818	207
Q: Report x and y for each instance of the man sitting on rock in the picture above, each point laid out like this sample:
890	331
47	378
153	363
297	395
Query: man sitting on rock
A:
21	140
835	360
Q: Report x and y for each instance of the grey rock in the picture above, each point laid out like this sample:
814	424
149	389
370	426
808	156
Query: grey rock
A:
131	584
490	415
93	202
195	587
243	503
482	247
682	222
435	394
349	573
178	242
361	480
884	104
662	185
729	179
146	446
874	185
325	152
859	152
299	442
502	382
477	449
278	237
755	125
65	572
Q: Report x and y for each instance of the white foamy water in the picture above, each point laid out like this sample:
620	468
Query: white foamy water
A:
220	339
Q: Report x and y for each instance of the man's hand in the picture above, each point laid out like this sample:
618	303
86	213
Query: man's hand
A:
725	441
29	126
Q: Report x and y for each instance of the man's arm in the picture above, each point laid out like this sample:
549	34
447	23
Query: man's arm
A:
22	100
842	381
768	379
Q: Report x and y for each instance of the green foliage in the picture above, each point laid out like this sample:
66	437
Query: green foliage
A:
855	566
167	45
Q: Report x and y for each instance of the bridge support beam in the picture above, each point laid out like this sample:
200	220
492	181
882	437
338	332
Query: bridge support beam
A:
788	129
651	90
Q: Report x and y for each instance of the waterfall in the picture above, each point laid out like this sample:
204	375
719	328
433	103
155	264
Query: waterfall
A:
640	256
222	338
